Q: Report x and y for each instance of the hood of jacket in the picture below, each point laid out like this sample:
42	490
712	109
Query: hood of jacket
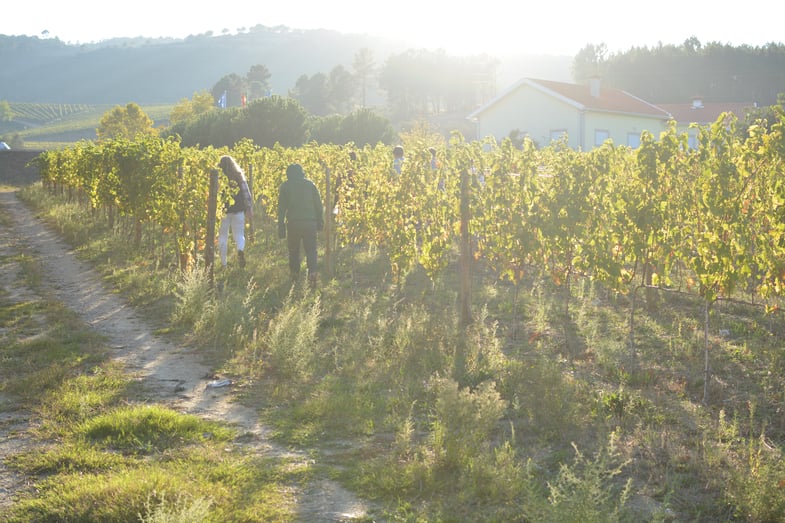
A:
295	172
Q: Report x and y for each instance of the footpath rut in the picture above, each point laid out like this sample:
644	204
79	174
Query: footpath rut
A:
172	374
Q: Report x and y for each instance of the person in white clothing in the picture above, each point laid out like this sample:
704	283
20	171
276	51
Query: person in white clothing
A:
235	213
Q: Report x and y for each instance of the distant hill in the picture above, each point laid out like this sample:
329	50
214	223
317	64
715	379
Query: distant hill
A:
164	71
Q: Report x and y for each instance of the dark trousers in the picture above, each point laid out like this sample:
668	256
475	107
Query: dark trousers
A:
301	232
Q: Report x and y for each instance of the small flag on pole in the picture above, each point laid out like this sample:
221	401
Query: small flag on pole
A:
222	101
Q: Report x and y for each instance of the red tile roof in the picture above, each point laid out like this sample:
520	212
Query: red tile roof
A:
705	113
619	101
609	100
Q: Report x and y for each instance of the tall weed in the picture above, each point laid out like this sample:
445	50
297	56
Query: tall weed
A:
193	296
464	421
182	510
478	354
226	323
540	395
587	490
292	338
756	477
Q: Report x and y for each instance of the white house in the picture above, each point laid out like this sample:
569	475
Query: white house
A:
588	114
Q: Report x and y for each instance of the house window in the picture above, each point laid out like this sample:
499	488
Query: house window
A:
600	135
558	134
634	140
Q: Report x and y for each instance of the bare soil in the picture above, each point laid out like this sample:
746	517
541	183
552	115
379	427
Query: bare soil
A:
175	375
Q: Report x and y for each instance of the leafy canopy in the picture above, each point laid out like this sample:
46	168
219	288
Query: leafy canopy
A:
125	122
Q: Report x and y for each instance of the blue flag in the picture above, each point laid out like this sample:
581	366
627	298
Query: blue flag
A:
222	101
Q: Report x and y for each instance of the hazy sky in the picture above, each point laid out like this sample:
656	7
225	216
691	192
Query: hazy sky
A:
553	27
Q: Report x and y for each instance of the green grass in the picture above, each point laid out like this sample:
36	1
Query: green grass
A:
530	414
147	429
97	449
44	342
100	459
234	489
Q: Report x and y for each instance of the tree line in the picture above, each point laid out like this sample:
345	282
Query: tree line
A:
417	84
274	120
420	84
714	71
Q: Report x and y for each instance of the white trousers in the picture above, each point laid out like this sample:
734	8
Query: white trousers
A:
234	222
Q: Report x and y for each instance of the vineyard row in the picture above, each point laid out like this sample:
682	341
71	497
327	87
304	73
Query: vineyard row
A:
709	219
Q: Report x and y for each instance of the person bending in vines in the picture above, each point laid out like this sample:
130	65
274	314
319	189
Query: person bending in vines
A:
235	212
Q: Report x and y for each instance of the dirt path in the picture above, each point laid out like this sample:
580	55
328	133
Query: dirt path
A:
173	374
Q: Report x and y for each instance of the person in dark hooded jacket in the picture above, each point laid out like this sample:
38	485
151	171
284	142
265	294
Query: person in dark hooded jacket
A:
300	216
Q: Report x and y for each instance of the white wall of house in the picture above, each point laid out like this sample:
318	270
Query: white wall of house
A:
544	117
620	128
531	112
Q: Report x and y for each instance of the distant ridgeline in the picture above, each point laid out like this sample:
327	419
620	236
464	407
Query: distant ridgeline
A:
146	70
165	70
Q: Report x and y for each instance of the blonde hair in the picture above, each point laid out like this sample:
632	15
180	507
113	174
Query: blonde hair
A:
231	168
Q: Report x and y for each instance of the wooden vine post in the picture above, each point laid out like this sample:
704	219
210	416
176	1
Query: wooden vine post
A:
249	216
466	255
183	254
209	244
706	346
328	224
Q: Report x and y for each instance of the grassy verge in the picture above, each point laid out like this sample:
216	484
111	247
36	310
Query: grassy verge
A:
95	451
537	412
